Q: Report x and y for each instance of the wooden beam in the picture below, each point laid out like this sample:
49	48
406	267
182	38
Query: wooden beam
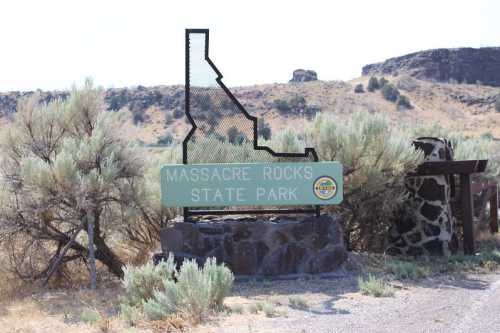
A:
467	213
494	210
450	167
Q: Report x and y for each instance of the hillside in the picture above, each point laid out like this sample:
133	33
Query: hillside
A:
463	65
155	111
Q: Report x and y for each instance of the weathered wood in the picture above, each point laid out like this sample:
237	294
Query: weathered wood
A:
91	254
467	212
450	167
494	210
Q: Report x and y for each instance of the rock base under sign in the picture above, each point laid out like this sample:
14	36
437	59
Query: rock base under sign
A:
252	246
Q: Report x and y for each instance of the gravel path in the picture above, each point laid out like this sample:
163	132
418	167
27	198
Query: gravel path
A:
444	304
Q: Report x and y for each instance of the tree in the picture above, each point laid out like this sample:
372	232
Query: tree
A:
235	136
298	103
382	82
166	139
404	102
359	89
282	105
373	84
390	92
178	113
263	129
66	173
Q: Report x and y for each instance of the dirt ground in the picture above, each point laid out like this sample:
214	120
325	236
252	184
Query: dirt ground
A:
334	304
443	304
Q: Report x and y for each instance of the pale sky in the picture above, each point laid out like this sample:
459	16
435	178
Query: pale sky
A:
52	44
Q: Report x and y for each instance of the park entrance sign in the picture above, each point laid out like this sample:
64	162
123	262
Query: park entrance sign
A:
252	184
222	135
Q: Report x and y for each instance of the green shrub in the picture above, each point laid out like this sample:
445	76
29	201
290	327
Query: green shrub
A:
237	308
497	104
253	308
464	148
376	157
202	101
269	310
178	113
220	283
487	136
477	149
196	292
298	103
203	151
299	303
235	136
138	116
90	316
169	118
404	102
287	141
373	84
264	129
374	287
140	283
232	133
282	105
390	92
382	82
408	269
311	110
359	89
130	314
166	140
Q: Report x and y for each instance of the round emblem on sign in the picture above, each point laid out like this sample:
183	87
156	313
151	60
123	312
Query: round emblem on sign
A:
325	187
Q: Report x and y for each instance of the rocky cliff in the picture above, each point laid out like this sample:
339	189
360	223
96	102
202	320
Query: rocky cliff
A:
462	65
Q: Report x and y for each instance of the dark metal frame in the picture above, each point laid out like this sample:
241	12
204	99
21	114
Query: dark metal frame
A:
307	152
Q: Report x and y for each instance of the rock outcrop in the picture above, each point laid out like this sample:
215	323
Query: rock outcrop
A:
463	65
261	247
303	75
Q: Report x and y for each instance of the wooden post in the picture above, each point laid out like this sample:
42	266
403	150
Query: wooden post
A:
91	254
494	210
467	212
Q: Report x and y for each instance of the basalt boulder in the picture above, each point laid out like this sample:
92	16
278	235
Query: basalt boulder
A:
303	75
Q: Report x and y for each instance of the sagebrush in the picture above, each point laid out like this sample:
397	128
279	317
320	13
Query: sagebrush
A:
192	292
376	156
66	168
373	286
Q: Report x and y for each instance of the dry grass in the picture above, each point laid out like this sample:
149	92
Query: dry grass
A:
63	311
65	305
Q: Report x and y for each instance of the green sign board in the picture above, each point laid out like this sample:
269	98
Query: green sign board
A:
271	184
